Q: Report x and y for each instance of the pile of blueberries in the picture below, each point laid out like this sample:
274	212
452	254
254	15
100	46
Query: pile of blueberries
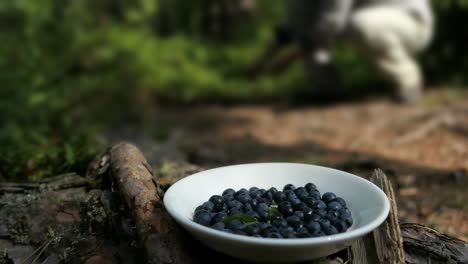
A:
291	213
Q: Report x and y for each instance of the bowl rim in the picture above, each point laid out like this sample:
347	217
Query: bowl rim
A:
290	242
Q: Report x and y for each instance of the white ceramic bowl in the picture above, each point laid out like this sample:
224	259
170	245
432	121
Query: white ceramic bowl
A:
368	204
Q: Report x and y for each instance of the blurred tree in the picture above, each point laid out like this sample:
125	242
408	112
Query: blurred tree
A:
220	20
67	66
447	58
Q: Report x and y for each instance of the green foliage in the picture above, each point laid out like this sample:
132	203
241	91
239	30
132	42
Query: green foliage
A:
446	60
69	67
246	219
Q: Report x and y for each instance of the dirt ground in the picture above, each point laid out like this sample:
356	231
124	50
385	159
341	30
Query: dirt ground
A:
422	147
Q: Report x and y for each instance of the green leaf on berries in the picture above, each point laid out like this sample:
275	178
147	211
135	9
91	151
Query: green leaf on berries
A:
247	219
274	211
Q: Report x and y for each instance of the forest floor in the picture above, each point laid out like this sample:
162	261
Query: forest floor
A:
422	147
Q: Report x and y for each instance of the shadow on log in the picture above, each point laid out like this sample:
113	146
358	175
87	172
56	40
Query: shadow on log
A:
116	215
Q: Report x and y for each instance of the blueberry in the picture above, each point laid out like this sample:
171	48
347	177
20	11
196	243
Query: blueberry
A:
265	201
273	190
253	189
313	227
318	205
235	204
263	211
228	231
290	193
235	211
349	221
315	217
208	206
309	201
256	194
344	213
236	224
322	213
219	226
333	216
268	196
202	217
324	223
301	193
279	223
328	196
319	234
300	206
285	208
302	232
263	216
279	197
243	197
220	207
268	230
288	233
341	226
240	232
216	199
330	230
253	214
307	213
252	229
340	201
335	206
286	228
294	221
200	208
243	190
315	194
228	198
263	226
231	203
262	207
254	202
257	235
247	207
218	217
274	235
299	214
310	187
228	192
294	201
289	187
275	216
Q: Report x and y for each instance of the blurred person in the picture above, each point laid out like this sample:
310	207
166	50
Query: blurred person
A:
390	33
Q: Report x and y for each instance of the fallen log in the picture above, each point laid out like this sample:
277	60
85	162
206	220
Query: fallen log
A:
50	224
133	178
426	245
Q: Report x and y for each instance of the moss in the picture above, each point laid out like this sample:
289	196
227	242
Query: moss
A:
5	259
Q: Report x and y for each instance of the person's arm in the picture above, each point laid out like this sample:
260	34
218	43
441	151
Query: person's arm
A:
282	37
334	15
282	64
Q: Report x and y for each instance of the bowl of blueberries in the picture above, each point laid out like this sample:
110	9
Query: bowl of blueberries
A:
276	212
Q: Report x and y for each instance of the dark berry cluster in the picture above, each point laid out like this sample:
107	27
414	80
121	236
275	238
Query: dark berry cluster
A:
291	213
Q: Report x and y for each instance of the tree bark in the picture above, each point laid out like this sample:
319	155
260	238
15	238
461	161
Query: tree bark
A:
425	245
132	176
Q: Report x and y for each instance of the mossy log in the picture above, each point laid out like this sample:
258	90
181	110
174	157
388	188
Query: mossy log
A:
115	215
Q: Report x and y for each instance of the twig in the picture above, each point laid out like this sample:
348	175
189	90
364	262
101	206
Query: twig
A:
35	251
423	130
42	251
